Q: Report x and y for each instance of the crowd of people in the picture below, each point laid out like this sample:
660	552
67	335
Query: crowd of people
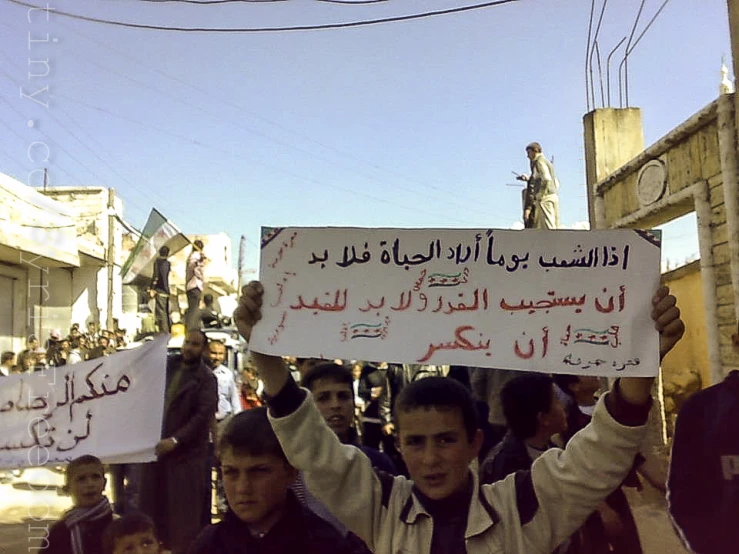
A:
59	350
351	456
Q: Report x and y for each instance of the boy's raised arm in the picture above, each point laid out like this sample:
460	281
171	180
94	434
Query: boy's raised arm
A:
272	369
334	472
666	317
568	485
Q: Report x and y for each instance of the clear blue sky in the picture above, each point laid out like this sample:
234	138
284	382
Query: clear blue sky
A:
408	124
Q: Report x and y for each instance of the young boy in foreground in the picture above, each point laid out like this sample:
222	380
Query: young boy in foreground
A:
134	533
263	516
444	509
81	529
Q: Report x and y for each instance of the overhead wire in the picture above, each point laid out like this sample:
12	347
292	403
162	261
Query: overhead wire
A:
211	2
48	114
273	139
139	190
58	146
325	26
241	109
159	200
277	169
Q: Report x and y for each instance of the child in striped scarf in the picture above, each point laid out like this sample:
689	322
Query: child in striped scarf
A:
81	529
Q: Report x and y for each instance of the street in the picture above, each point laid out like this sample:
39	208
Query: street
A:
30	503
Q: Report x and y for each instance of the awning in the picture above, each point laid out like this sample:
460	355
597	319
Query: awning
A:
35	229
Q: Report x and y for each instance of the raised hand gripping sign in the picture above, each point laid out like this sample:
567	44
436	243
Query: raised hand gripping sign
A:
552	301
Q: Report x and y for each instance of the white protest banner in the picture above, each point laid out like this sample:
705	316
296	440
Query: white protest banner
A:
109	407
551	301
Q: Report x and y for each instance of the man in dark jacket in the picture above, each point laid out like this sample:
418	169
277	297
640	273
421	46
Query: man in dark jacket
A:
172	487
534	415
264	516
160	290
703	487
370	388
611	528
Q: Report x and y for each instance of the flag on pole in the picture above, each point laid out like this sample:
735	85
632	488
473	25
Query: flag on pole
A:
158	232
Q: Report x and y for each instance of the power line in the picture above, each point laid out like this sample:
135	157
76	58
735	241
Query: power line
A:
33	226
262	164
275	140
211	2
144	211
326	26
242	110
72	157
142	192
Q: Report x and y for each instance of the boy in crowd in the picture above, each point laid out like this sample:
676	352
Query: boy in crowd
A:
332	388
264	516
81	529
439	437
534	415
7	364
133	533
612	527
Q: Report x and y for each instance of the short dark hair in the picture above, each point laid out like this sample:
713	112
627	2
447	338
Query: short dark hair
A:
460	373
207	299
523	398
198	243
78	462
164	251
125	526
534	146
202	334
442	393
7	356
563	381
335	372
250	432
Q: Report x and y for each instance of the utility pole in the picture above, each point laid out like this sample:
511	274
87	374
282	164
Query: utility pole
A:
242	255
41	285
110	257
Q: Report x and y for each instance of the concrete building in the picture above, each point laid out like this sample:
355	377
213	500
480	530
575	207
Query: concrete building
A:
692	168
55	268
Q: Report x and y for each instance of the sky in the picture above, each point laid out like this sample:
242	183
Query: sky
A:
414	123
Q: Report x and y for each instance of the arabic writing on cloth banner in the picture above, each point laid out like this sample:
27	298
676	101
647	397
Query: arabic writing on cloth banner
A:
109	407
551	301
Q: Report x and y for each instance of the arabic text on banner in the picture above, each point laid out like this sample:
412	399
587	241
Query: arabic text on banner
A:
550	301
109	407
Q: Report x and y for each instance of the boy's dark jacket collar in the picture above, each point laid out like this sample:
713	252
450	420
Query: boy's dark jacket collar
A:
299	529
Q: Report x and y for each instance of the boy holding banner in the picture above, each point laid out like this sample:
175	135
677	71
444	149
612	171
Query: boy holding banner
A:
439	437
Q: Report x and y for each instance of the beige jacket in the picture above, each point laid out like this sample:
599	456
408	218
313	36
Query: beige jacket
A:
527	513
